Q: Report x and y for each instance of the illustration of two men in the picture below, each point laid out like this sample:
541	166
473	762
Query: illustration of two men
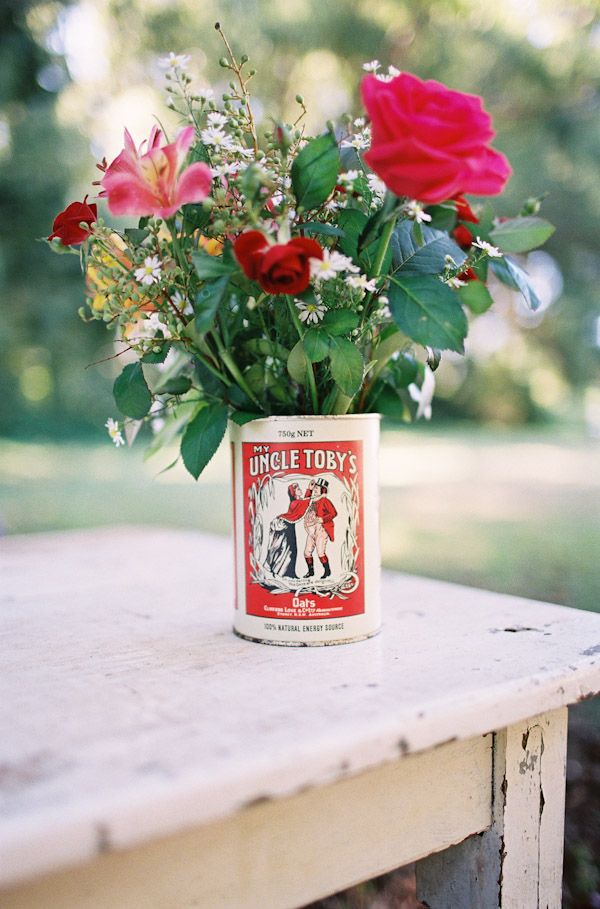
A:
318	514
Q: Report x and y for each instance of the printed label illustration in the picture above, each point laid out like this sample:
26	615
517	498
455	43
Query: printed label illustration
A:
304	529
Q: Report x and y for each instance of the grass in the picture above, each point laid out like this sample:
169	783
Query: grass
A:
514	512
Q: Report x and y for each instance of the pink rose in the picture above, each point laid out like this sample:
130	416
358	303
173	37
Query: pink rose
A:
431	143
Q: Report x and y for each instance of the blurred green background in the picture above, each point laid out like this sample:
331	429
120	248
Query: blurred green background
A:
503	490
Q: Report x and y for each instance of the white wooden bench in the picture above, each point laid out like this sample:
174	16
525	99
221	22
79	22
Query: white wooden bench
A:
148	758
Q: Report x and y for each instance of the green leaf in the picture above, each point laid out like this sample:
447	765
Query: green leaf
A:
202	437
388	402
443	217
404	370
516	278
314	171
316	345
426	258
347	366
158	354
298	363
352	223
135	235
339	321
327	230
195	217
476	297
210	267
428	311
132	395
175	386
207	302
241	417
264	347
521	234
387	347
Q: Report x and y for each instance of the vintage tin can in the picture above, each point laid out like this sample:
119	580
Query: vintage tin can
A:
306	529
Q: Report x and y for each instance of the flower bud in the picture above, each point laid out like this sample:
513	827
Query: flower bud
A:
299	99
244	59
224	62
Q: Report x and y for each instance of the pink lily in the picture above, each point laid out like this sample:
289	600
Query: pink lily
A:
153	182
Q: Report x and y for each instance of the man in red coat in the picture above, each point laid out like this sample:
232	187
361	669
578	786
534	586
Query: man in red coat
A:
318	523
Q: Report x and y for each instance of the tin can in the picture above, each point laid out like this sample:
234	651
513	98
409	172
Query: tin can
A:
306	529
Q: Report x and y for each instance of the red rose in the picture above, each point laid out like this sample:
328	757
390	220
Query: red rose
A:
464	212
280	269
66	224
468	275
463	236
431	143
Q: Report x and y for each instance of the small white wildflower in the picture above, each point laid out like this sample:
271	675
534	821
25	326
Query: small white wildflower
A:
332	262
376	185
372	66
332	205
243	151
359	122
384	307
348	178
310	312
150	272
415	212
358	141
216	118
155	323
114	432
362	283
174	61
423	395
215	137
454	282
392	72
182	304
492	251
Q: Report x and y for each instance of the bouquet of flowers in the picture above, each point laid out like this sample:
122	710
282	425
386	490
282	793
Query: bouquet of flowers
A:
289	274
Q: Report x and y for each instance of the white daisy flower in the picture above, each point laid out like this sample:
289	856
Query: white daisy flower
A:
217	138
359	122
216	118
332	262
362	283
492	251
174	61
415	212
150	272
372	66
423	395
114	432
310	312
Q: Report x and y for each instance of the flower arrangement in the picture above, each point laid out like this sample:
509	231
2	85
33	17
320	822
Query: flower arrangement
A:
290	274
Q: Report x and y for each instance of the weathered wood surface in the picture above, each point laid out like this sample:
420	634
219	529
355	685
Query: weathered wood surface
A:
517	863
283	853
129	711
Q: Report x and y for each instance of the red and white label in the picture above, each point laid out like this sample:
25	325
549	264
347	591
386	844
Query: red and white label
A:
303	529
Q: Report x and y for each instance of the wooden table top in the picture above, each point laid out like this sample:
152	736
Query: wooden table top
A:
129	710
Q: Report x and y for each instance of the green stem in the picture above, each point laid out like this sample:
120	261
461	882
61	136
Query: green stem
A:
233	369
312	385
176	245
384	243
